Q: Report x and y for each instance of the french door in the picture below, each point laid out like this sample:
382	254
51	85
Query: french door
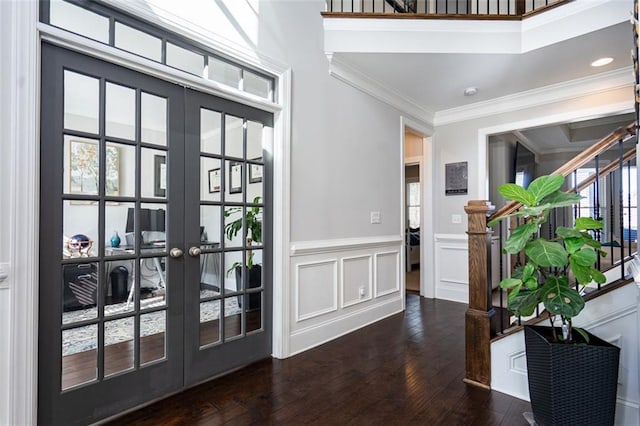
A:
154	238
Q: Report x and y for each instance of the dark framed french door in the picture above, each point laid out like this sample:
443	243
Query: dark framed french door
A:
142	292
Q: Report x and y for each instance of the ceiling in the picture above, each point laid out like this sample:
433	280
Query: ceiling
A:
436	81
568	137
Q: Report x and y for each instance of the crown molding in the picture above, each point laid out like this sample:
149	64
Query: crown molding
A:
572	89
350	75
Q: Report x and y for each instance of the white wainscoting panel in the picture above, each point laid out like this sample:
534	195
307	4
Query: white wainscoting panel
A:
612	317
327	278
452	267
316	288
357	273
387	277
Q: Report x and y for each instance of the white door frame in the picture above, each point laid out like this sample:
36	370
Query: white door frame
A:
427	244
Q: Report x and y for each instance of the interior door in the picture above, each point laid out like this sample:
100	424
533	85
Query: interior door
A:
227	229
112	160
154	238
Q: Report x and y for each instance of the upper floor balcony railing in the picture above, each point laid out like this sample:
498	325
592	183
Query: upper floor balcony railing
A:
451	9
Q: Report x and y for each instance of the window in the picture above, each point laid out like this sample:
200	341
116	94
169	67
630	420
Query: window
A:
413	204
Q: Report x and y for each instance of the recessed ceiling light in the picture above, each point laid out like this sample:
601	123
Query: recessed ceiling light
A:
601	62
470	91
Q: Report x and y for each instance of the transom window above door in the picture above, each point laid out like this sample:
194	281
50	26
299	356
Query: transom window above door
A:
112	28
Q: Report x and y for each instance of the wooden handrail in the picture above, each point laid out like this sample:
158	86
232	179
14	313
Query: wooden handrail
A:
611	167
622	133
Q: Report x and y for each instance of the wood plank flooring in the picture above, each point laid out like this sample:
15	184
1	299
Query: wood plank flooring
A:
406	369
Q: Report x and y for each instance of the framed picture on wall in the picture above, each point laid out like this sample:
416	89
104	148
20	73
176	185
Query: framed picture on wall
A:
235	177
255	173
83	175
160	176
214	180
455	178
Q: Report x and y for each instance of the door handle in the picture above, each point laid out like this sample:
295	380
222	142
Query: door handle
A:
176	253
195	251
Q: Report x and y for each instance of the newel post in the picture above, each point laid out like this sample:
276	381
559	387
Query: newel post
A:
480	312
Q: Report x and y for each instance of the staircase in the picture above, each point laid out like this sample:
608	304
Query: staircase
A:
605	174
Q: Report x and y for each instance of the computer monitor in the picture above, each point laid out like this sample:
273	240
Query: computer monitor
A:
150	220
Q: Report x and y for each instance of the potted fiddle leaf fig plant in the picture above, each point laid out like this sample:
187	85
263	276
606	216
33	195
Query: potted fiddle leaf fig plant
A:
565	388
253	224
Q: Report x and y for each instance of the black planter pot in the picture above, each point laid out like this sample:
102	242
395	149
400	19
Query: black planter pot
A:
255	281
571	384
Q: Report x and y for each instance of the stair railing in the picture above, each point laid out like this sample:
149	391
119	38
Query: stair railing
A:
453	9
604	174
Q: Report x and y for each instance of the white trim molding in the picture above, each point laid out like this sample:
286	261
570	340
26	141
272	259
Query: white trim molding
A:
333	285
581	87
23	70
376	279
304	248
344	303
343	71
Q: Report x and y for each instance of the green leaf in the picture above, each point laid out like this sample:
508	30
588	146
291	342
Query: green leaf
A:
583	333
581	272
546	253
531	284
598	276
573	244
545	185
527	271
533	211
585	257
562	199
519	237
588	239
559	299
510	283
565	232
584	223
524	303
514	192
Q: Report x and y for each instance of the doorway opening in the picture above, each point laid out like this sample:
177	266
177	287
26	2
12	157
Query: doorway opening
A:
413	200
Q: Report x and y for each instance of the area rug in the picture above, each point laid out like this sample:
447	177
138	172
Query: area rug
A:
85	338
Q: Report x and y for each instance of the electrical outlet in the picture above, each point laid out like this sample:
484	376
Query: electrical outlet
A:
361	291
456	218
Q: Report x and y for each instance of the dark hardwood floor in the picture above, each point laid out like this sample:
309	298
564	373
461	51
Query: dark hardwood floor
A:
406	369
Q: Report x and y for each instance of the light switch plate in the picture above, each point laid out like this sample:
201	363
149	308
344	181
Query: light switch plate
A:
4	275
375	218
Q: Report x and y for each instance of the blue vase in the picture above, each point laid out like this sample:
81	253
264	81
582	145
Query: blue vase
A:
115	239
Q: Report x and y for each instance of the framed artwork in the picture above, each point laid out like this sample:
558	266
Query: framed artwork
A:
84	168
455	178
255	173
159	176
235	177
214	180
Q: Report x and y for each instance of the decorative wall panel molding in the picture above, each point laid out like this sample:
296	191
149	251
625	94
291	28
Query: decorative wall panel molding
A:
387	276
316	289
356	279
451	267
341	285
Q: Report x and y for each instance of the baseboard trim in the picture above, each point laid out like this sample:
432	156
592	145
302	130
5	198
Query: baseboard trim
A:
318	334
